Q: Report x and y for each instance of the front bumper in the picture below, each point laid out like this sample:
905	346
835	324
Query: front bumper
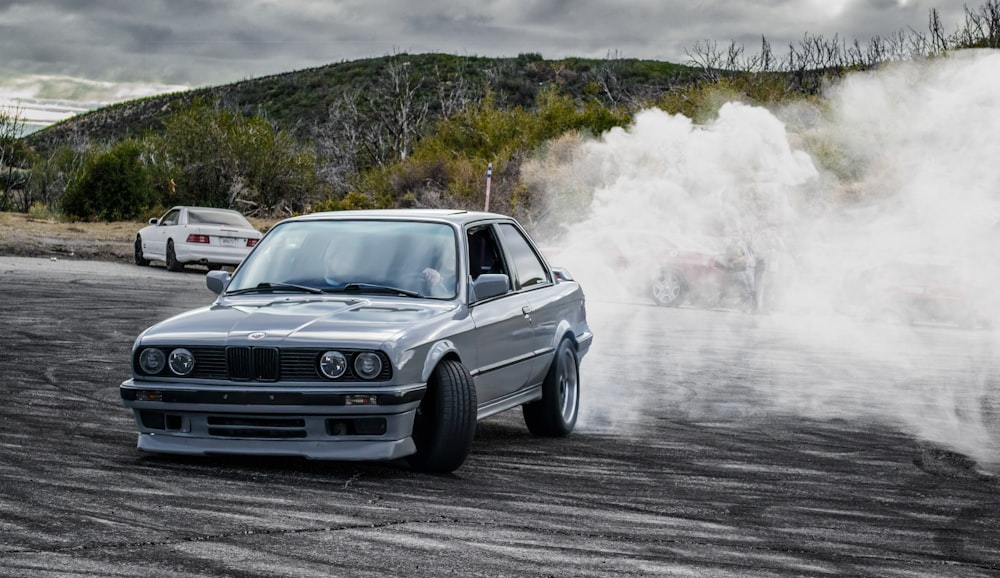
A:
321	423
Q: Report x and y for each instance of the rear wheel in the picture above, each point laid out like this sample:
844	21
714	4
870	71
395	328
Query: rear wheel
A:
172	263
555	414
445	422
668	288
140	260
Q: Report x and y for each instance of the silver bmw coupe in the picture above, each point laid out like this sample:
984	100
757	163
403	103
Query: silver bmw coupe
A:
366	335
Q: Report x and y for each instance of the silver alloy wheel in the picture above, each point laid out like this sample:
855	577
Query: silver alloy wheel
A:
667	288
569	385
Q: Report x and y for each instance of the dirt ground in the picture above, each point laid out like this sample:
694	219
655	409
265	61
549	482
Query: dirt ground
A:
22	235
25	236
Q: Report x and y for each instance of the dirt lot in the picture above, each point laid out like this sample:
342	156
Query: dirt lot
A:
710	444
26	236
694	473
22	235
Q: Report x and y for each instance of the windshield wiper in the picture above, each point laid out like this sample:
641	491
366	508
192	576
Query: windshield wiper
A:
268	287
371	288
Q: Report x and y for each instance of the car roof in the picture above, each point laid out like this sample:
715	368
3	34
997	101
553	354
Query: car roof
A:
455	216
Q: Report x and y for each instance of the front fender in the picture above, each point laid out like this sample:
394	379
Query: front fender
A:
435	354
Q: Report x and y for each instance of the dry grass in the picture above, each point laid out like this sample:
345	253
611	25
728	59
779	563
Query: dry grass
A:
27	236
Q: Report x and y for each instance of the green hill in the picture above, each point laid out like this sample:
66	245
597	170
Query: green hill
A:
300	101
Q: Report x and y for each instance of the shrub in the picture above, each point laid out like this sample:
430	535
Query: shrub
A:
39	210
110	186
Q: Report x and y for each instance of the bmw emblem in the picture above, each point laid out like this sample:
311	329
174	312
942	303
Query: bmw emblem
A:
257	336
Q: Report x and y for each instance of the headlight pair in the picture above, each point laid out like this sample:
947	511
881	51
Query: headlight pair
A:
333	365
180	361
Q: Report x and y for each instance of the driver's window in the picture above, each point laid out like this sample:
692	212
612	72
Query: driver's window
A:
170	218
484	254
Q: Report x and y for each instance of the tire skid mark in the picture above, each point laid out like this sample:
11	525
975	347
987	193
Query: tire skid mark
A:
226	536
60	385
834	557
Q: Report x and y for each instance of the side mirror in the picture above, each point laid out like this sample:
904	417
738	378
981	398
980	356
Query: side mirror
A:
489	285
153	221
217	281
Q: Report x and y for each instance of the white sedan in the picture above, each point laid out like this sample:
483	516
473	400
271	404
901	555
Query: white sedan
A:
196	235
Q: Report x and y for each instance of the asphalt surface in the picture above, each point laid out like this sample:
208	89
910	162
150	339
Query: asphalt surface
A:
711	444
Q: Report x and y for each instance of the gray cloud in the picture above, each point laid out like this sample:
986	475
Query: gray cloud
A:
203	42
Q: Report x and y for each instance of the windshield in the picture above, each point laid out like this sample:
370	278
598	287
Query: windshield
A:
364	256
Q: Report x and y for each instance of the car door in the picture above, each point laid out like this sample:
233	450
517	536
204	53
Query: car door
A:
546	303
156	244
504	337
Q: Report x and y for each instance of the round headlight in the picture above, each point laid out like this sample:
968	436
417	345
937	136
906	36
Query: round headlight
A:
151	361
333	364
181	361
367	365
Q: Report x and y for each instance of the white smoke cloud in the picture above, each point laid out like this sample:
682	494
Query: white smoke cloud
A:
895	176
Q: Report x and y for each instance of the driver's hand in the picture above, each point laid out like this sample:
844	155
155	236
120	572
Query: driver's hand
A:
431	276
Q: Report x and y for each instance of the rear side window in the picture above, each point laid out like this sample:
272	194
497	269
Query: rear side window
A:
528	268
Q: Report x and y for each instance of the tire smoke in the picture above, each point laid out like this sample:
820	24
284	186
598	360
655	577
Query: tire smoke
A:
874	216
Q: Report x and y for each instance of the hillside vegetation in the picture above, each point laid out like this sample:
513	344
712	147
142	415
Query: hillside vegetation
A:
407	130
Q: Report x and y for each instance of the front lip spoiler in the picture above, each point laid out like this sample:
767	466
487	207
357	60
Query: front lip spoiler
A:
340	450
232	396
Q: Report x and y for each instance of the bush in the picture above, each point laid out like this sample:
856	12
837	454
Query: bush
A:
110	186
39	210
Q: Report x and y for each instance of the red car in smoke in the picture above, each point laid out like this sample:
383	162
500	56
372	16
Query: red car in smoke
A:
705	272
706	279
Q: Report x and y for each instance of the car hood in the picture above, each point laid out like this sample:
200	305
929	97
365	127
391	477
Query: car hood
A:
298	321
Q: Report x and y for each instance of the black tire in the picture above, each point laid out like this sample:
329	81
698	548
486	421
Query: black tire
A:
555	414
172	263
445	422
140	260
668	288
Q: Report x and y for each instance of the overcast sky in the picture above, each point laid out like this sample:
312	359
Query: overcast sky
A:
61	56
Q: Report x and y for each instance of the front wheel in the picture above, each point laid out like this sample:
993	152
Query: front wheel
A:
668	288
445	422
555	414
172	263
140	260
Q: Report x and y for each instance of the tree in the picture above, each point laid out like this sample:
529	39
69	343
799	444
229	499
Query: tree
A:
221	158
12	154
112	185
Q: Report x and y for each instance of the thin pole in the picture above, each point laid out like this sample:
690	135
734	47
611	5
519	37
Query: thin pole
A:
489	178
